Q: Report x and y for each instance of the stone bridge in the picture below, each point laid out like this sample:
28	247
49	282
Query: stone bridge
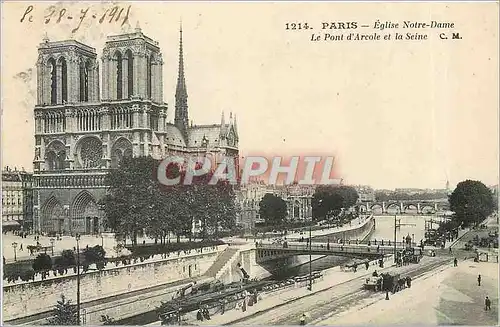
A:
422	207
270	252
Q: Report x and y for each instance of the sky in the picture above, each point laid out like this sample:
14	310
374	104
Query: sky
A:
394	113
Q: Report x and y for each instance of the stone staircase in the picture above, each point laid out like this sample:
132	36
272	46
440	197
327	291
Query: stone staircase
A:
221	261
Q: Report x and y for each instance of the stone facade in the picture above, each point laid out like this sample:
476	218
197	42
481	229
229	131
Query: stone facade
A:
17	199
365	193
83	127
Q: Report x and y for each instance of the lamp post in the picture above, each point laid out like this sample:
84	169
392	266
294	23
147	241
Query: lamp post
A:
77	237
14	246
310	257
395	248
310	250
52	243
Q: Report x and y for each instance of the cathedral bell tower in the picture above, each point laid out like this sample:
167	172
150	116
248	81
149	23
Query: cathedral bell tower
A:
132	68
67	80
67	72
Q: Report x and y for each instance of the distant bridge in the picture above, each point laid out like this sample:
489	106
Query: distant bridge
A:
422	207
270	252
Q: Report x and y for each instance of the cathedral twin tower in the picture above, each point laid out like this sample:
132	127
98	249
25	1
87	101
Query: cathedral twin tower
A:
83	128
68	71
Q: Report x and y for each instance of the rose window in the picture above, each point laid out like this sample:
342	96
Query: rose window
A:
91	153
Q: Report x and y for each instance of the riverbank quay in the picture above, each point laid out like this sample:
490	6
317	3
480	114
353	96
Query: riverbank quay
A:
286	307
447	296
112	295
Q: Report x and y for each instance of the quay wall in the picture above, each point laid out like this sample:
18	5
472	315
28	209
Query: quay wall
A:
360	232
246	258
27	298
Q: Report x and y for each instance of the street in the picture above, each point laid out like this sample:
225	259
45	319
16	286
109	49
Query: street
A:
328	296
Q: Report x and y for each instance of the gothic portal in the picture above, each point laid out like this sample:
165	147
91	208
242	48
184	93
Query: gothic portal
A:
84	128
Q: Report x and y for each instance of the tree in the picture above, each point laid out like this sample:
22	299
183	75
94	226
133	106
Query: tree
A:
272	209
129	199
95	254
201	200
64	314
328	200
68	258
471	202
136	201
42	262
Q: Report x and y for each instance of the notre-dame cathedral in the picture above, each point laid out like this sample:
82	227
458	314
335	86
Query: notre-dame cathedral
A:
86	123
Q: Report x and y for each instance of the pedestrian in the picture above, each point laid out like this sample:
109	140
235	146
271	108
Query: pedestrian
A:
21	247
303	319
199	315
479	280
455	262
487	304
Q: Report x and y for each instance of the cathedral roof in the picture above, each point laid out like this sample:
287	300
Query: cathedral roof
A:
174	136
196	134
209	132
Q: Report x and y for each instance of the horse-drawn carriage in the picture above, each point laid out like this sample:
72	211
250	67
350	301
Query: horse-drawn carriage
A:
392	282
408	255
387	282
373	283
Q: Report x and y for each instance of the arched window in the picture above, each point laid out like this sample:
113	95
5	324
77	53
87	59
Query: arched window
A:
64	80
149	76
119	76
53	81
84	81
51	160
130	72
61	156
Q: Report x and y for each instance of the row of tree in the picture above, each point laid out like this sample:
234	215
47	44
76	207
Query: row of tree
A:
329	200
137	202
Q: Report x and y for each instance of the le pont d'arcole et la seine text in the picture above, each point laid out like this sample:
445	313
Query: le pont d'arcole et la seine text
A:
379	30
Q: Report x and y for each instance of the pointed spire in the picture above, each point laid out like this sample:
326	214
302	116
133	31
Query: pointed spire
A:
181	106
181	81
137	27
46	38
235	126
222	120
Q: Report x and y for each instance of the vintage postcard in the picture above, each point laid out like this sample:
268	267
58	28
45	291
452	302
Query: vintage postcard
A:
250	163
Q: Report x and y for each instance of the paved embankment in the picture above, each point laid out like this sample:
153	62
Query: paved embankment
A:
450	296
335	290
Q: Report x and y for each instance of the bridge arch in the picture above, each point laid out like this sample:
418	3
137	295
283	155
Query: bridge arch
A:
427	207
411	206
362	207
393	205
376	205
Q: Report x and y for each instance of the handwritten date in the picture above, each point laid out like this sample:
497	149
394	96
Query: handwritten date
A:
55	15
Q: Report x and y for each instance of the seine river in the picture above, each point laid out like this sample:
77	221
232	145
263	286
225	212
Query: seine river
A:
412	225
